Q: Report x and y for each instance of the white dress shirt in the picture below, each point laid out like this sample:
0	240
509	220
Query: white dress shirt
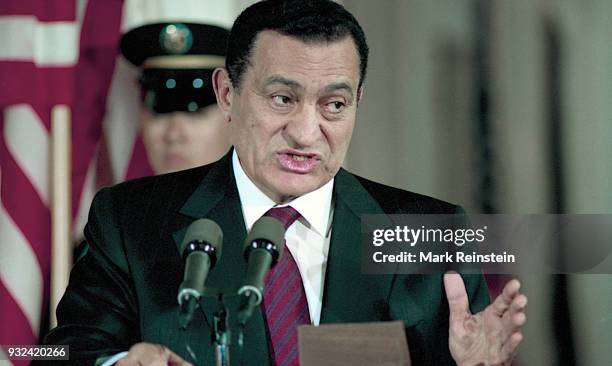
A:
307	238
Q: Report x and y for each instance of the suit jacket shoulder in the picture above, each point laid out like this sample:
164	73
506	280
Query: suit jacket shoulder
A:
398	201
161	192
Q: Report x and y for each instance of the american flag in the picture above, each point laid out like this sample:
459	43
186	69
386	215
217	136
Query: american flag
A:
54	52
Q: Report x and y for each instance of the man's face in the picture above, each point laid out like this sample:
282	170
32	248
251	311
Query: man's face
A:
292	119
182	140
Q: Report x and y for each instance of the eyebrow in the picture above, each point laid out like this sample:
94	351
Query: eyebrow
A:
339	86
276	79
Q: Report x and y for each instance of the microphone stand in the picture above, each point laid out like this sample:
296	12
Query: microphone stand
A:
222	334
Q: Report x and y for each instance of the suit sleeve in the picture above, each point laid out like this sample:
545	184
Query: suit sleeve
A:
97	315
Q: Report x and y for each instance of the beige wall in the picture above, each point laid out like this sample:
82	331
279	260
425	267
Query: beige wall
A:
413	128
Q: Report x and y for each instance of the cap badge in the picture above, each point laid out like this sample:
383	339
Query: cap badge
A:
176	38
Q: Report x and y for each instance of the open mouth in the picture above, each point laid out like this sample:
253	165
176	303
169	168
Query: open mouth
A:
298	157
297	162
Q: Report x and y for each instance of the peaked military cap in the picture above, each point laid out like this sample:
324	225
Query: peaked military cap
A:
177	62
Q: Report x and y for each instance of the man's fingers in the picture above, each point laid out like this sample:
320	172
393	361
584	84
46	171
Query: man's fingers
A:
457	296
516	322
518	304
509	348
516	307
503	301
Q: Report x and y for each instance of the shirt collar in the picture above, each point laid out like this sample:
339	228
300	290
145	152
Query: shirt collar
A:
314	206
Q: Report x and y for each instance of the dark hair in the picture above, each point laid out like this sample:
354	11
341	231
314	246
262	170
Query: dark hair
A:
307	20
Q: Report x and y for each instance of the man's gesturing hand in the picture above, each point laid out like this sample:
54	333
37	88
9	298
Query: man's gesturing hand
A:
149	354
491	336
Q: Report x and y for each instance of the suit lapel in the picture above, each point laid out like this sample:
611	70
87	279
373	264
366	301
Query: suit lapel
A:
217	198
349	295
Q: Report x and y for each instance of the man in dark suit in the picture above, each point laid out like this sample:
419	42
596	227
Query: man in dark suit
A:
293	79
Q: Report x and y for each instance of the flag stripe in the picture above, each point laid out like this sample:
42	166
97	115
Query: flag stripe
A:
44	10
28	141
3	356
87	195
13	320
25	208
32	41
19	270
42	88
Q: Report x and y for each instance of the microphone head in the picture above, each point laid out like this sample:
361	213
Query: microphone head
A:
205	235
267	233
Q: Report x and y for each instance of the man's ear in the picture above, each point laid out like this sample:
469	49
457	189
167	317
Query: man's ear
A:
223	91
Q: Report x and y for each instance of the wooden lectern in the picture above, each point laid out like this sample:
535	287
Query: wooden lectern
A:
354	344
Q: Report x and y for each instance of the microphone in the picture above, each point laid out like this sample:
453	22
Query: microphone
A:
201	249
262	249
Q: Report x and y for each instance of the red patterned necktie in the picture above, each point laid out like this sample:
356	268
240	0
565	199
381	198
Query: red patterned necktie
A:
284	300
